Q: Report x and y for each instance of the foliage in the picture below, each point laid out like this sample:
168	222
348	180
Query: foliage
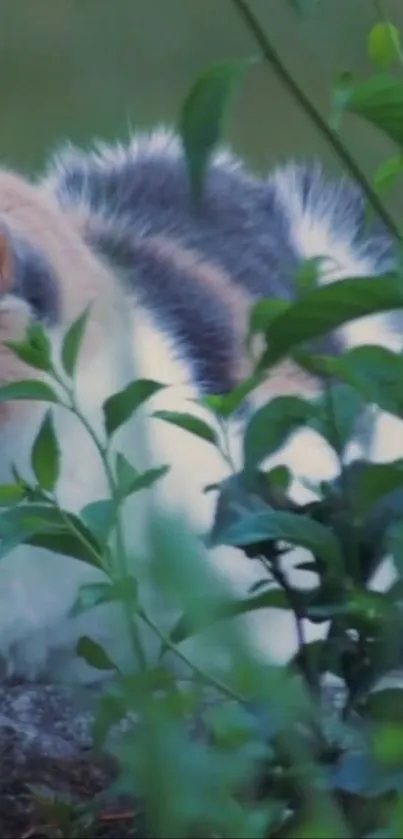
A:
275	762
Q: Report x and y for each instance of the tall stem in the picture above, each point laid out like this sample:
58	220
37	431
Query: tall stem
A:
274	60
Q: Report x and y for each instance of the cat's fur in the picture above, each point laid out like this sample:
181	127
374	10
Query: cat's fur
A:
171	292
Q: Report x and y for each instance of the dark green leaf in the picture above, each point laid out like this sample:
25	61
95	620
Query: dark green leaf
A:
271	426
120	407
190	423
385	705
240	494
45	455
328	307
379	100
201	117
279	477
72	342
66	543
373	481
365	607
28	389
265	311
94	654
292	528
337	414
45	526
375	372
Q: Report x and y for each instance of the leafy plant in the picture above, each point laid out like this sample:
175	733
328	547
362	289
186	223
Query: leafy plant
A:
274	760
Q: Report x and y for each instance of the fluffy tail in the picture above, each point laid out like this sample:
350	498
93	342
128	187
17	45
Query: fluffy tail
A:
258	229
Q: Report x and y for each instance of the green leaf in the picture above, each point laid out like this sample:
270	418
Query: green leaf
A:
379	100
43	525
45	455
271	426
224	404
246	493
337	413
145	480
388	172
308	274
35	350
272	599
264	312
202	114
385	705
11	494
72	342
190	423
119	407
279	478
29	355
326	308
94	594
65	543
99	517
375	372
129	480
383	43
94	654
89	596
261	525
231	726
363	607
28	389
372	482
126	473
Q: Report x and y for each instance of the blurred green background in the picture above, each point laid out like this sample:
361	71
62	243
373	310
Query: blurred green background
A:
80	69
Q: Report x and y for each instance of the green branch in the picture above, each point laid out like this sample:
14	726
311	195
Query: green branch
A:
272	58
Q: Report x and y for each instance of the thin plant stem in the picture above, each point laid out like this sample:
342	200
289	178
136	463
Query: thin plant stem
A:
273	59
99	559
308	671
207	678
102	450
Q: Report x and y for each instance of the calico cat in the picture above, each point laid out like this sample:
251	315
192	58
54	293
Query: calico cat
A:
170	292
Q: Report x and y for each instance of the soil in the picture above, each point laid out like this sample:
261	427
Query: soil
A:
27	792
